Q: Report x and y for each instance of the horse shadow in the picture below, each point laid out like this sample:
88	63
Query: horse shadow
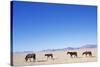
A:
41	60
44	60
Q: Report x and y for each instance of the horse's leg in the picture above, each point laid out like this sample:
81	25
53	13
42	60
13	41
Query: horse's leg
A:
76	55
86	55
30	59
71	56
51	57
90	55
47	57
26	60
33	60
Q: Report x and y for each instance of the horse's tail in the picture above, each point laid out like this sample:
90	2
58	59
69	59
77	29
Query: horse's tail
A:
76	55
90	53
34	57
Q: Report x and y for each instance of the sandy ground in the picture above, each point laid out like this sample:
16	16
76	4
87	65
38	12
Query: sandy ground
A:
60	57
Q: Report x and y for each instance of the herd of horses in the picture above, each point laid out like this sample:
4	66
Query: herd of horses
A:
72	55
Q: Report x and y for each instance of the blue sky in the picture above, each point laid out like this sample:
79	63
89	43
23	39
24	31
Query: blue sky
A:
38	26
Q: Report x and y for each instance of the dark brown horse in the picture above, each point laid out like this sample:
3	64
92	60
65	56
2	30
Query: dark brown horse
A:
87	53
30	56
72	54
49	55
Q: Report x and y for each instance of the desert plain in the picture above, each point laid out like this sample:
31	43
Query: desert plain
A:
59	57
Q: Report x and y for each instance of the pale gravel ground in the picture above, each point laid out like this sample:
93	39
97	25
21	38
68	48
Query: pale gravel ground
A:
60	57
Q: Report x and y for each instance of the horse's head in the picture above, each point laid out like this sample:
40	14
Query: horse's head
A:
26	58
45	54
68	52
83	53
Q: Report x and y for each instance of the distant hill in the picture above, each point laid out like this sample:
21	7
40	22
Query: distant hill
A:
71	48
89	46
67	48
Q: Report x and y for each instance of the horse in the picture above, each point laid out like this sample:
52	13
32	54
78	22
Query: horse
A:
49	55
87	53
29	56
72	54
